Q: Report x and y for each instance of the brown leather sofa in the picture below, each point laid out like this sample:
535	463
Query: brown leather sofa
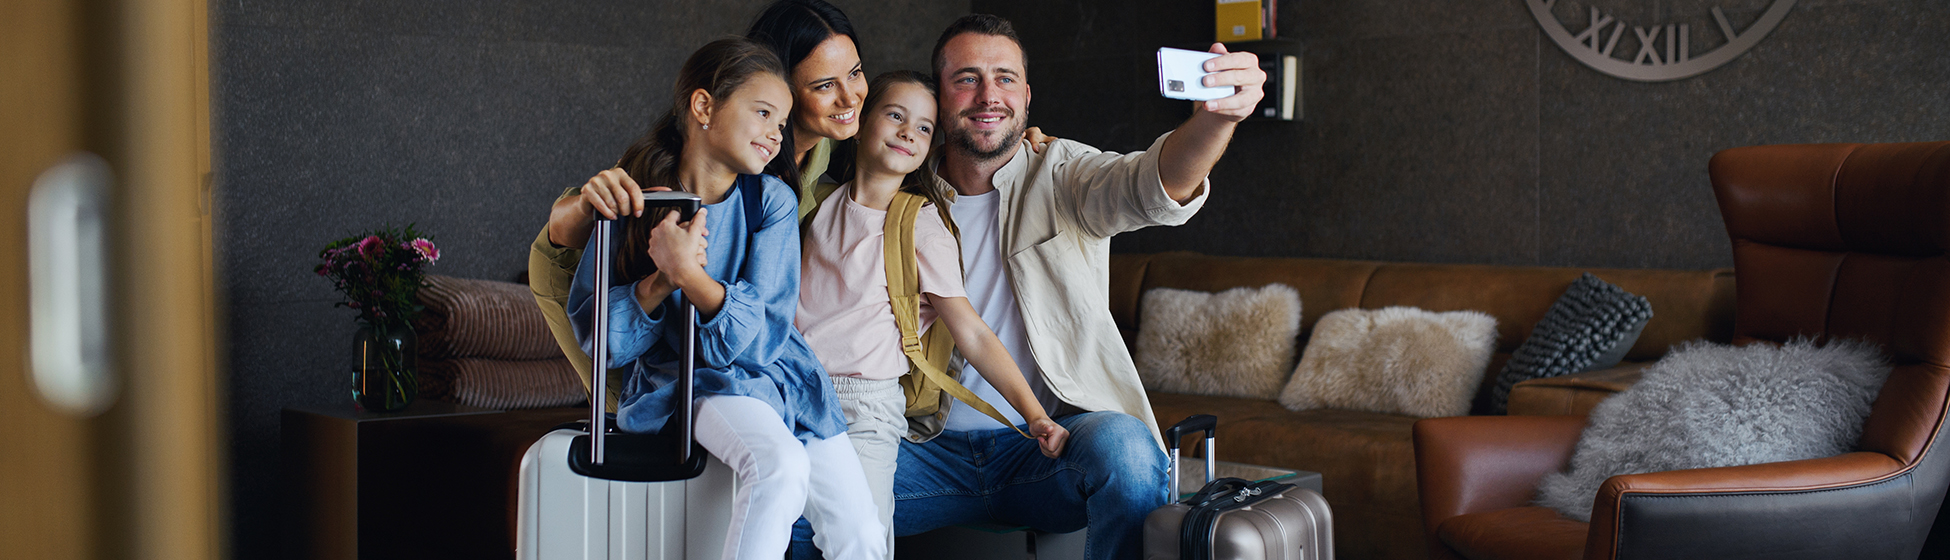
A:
1366	459
1831	241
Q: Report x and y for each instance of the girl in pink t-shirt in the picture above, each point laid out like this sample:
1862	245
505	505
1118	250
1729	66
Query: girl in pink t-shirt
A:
843	307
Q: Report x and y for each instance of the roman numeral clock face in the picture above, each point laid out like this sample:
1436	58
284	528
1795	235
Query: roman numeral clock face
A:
1665	50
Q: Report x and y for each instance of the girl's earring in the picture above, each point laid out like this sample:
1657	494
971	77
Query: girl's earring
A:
705	126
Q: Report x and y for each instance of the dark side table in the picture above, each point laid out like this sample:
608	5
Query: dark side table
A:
436	480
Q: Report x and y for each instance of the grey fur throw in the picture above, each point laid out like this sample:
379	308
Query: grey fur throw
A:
1711	405
1590	327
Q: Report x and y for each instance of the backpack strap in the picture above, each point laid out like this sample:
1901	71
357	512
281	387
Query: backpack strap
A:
928	352
752	188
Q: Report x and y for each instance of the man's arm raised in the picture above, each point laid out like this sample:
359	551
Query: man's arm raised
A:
1112	193
1190	152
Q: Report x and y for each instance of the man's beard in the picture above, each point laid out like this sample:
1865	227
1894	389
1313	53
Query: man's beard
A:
965	140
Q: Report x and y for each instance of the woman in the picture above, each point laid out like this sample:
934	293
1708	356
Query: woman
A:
828	84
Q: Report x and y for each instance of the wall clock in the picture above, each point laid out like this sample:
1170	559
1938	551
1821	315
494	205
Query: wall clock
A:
1664	50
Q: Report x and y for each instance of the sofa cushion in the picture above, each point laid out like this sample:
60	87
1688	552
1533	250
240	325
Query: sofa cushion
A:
1237	343
1525	533
1590	327
1366	461
1398	360
1572	395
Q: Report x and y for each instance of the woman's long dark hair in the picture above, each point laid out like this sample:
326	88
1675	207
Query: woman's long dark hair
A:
920	181
719	68
793	29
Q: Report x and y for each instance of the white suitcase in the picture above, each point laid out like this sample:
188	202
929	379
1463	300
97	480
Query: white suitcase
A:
621	496
567	515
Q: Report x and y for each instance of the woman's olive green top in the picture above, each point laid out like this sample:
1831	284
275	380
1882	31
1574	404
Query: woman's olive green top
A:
814	172
551	268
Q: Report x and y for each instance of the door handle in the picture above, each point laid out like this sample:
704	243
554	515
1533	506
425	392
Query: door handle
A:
67	259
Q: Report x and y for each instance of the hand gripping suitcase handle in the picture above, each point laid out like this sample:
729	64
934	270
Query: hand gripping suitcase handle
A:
686	205
1195	423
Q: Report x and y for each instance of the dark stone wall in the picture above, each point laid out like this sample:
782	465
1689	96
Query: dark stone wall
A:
464	117
1457	132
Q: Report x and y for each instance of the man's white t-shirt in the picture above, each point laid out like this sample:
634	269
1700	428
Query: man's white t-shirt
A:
994	298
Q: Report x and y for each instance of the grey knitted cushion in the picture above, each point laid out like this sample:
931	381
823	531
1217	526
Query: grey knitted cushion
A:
1590	327
1710	405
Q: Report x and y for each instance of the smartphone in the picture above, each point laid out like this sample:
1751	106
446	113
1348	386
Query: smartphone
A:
1181	73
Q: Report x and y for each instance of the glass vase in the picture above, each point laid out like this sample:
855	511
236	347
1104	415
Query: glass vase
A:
383	378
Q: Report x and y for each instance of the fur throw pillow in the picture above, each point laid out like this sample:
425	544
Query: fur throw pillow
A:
1235	343
1396	360
1711	405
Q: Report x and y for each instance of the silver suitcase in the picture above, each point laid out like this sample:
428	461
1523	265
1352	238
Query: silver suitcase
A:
605	494
1233	518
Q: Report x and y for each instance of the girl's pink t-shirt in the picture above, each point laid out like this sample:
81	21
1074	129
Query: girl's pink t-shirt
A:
843	307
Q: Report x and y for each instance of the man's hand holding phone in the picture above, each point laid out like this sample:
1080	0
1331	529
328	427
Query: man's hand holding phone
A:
1237	70
1235	83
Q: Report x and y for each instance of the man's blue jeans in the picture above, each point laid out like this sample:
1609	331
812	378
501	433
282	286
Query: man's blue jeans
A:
1111	475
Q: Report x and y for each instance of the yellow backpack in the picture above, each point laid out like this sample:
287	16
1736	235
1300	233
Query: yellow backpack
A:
927	382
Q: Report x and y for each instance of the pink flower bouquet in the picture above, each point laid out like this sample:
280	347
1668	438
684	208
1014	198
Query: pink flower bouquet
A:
379	272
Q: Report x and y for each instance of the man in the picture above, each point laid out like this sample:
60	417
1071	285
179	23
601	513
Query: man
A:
1036	234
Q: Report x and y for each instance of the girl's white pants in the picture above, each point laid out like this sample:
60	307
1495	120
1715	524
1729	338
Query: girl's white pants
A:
780	479
876	418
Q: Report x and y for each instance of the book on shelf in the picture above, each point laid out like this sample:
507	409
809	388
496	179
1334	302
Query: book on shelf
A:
1246	20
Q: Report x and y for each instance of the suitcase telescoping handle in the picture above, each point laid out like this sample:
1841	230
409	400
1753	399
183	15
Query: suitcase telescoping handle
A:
599	345
686	205
1195	423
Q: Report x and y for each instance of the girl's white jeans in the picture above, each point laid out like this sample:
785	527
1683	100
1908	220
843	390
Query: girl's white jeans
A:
781	478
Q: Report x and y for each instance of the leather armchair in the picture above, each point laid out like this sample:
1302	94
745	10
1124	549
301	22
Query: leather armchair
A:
1829	241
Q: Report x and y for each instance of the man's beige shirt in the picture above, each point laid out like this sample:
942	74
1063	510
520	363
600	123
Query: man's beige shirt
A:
1058	212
